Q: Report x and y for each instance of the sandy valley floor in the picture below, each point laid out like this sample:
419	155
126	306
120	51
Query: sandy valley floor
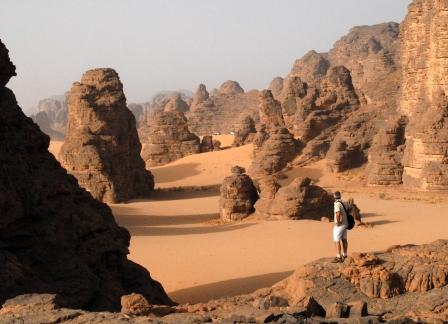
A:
177	236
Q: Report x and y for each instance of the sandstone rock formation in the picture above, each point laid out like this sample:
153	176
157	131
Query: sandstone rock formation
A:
221	111
55	237
161	99
45	125
51	116
245	131
102	149
405	284
135	304
168	138
274	145
312	67
276	87
371	53
139	112
299	200
208	144
238	196
176	103
386	154
351	145
335	101
424	92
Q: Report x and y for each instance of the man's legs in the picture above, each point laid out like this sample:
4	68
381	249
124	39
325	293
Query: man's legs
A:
338	246
345	247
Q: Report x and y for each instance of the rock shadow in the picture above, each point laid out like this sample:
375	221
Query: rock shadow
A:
170	173
157	220
172	230
227	288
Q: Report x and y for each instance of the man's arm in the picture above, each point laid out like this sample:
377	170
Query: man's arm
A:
338	218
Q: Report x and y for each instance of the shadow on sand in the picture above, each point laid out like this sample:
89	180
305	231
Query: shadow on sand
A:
227	288
175	172
381	222
154	220
171	230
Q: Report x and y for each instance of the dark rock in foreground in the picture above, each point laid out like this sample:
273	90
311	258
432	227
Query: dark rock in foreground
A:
54	237
406	284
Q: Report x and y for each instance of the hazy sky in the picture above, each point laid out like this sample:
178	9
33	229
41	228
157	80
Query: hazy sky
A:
172	44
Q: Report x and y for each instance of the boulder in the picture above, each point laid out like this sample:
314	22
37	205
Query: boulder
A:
238	196
102	148
135	304
298	200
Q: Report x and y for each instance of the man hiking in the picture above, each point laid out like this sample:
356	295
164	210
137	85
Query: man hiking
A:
340	228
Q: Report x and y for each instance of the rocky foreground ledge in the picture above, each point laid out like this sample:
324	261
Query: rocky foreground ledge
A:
405	284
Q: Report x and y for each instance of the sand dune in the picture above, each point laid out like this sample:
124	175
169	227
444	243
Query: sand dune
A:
178	237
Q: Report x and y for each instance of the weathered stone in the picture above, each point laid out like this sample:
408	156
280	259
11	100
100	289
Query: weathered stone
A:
313	308
52	117
299	200
276	86
238	196
385	156
102	149
274	145
169	138
245	131
424	92
176	103
209	145
358	309
371	53
221	111
55	237
337	310
135	304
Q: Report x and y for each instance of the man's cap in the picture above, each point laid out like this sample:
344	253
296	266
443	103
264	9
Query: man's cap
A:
337	195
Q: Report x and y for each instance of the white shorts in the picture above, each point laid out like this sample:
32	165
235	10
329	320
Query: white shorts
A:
339	233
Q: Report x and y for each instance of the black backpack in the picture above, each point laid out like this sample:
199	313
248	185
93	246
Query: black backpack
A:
350	218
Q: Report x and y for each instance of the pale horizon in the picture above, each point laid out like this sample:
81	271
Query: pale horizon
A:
160	45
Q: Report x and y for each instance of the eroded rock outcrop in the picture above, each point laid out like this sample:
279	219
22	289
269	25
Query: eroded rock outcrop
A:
274	145
208	144
55	237
221	111
51	116
371	53
102	149
238	196
405	284
424	94
299	200
386	154
168	138
245	131
351	145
